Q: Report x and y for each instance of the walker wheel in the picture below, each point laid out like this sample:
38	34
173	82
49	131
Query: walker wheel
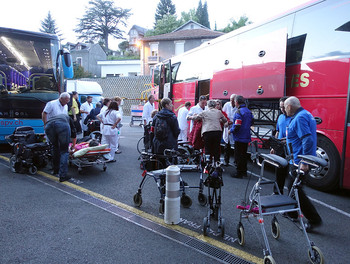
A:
161	206
32	170
269	260
240	234
205	226
275	228
202	199
131	124
318	256
104	168
137	199
186	201
221	227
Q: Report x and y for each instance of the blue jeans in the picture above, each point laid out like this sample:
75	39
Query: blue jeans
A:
58	133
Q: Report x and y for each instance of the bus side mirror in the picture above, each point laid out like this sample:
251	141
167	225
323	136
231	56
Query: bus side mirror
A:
67	64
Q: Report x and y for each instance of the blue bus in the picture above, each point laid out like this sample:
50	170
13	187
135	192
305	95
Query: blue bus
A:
32	71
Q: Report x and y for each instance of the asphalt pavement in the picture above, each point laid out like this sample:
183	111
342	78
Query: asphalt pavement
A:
93	219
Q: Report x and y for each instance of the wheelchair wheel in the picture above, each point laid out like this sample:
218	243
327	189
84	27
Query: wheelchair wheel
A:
318	256
269	260
240	234
186	201
96	135
137	200
205	226
202	199
140	145
221	227
275	228
32	170
184	155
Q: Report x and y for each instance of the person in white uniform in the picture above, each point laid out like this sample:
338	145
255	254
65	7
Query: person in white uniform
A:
147	110
110	119
182	120
230	110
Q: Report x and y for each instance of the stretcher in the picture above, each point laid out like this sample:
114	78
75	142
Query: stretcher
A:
85	156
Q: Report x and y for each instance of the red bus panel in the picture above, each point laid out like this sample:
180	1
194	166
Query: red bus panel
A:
261	72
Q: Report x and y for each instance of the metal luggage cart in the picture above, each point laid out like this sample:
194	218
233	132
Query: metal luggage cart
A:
136	114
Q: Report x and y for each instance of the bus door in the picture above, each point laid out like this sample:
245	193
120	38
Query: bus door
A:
167	81
202	88
255	69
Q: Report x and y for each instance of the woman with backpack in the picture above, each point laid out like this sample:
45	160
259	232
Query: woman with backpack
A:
165	127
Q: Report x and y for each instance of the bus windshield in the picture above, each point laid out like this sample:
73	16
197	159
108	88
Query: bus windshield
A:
29	76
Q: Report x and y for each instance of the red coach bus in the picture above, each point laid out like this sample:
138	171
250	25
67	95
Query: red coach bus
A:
304	52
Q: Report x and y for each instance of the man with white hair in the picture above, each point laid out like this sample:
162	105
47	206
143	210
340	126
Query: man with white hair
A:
58	127
301	134
230	109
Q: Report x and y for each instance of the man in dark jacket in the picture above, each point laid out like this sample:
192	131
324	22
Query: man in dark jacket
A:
242	121
165	127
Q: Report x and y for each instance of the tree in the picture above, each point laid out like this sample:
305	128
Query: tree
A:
79	72
165	25
102	18
165	7
123	46
187	16
48	25
243	21
202	14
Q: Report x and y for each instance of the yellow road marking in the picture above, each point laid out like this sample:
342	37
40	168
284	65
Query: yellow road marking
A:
160	221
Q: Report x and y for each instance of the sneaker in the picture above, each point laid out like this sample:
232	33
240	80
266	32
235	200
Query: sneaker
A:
118	151
111	160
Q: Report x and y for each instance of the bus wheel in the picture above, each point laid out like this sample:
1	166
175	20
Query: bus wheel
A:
326	178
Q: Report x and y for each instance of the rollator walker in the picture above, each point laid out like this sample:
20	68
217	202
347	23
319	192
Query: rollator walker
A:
263	205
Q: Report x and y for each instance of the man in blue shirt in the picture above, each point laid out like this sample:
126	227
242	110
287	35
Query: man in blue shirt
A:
281	127
242	121
301	133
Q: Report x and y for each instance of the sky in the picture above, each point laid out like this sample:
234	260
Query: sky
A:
27	15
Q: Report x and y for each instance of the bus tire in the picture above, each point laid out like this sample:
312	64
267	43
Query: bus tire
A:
327	178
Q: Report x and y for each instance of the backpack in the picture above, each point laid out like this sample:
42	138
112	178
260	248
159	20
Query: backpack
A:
161	129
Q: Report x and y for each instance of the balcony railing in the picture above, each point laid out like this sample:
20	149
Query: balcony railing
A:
153	59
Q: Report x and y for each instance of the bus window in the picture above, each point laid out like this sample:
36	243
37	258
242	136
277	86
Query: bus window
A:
175	68
156	78
295	48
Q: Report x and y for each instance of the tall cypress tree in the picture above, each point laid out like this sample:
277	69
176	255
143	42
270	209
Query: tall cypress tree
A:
205	18
199	12
202	14
48	25
165	7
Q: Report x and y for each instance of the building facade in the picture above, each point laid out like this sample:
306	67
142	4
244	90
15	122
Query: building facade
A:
87	55
155	49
